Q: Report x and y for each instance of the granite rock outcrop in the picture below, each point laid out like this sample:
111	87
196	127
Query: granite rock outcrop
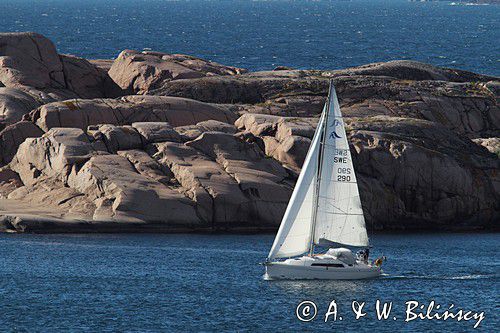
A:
162	142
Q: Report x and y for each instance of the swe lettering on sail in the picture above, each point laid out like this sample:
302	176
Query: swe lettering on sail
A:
340	156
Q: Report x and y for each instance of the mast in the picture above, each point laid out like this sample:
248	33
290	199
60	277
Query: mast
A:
318	175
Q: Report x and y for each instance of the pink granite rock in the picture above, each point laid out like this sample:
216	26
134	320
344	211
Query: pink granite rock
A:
164	162
36	74
12	136
14	104
125	111
141	72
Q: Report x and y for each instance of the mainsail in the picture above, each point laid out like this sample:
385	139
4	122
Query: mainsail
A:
339	213
325	206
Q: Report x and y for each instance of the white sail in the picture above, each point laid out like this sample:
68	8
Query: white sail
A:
294	234
339	214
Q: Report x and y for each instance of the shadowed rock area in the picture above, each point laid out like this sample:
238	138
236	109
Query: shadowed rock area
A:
155	142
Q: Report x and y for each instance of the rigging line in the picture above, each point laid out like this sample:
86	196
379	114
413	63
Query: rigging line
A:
343	226
332	205
348	199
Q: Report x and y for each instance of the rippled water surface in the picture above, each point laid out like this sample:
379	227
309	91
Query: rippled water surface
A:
191	283
263	34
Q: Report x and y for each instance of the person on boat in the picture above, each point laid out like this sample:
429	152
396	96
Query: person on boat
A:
378	262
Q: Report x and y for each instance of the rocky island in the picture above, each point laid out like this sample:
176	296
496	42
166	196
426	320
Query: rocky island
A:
155	142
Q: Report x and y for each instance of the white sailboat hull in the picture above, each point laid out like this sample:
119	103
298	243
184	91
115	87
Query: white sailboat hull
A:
307	268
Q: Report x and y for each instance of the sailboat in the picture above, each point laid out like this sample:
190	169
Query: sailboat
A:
324	212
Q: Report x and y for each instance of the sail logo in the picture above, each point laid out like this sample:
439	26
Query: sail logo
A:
333	134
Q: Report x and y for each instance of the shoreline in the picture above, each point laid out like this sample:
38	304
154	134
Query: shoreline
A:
159	228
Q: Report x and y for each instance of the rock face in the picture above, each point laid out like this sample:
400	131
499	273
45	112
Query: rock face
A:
15	103
9	181
492	144
416	71
428	174
29	59
203	146
231	181
287	139
140	72
34	73
469	108
408	169
122	194
54	155
216	181
12	136
126	110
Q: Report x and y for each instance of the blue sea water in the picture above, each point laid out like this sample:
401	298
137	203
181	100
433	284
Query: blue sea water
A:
263	34
213	283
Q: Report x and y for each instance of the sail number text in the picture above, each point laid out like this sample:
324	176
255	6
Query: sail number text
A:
343	173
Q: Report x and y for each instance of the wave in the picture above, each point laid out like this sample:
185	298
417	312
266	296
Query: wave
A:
468	4
441	277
